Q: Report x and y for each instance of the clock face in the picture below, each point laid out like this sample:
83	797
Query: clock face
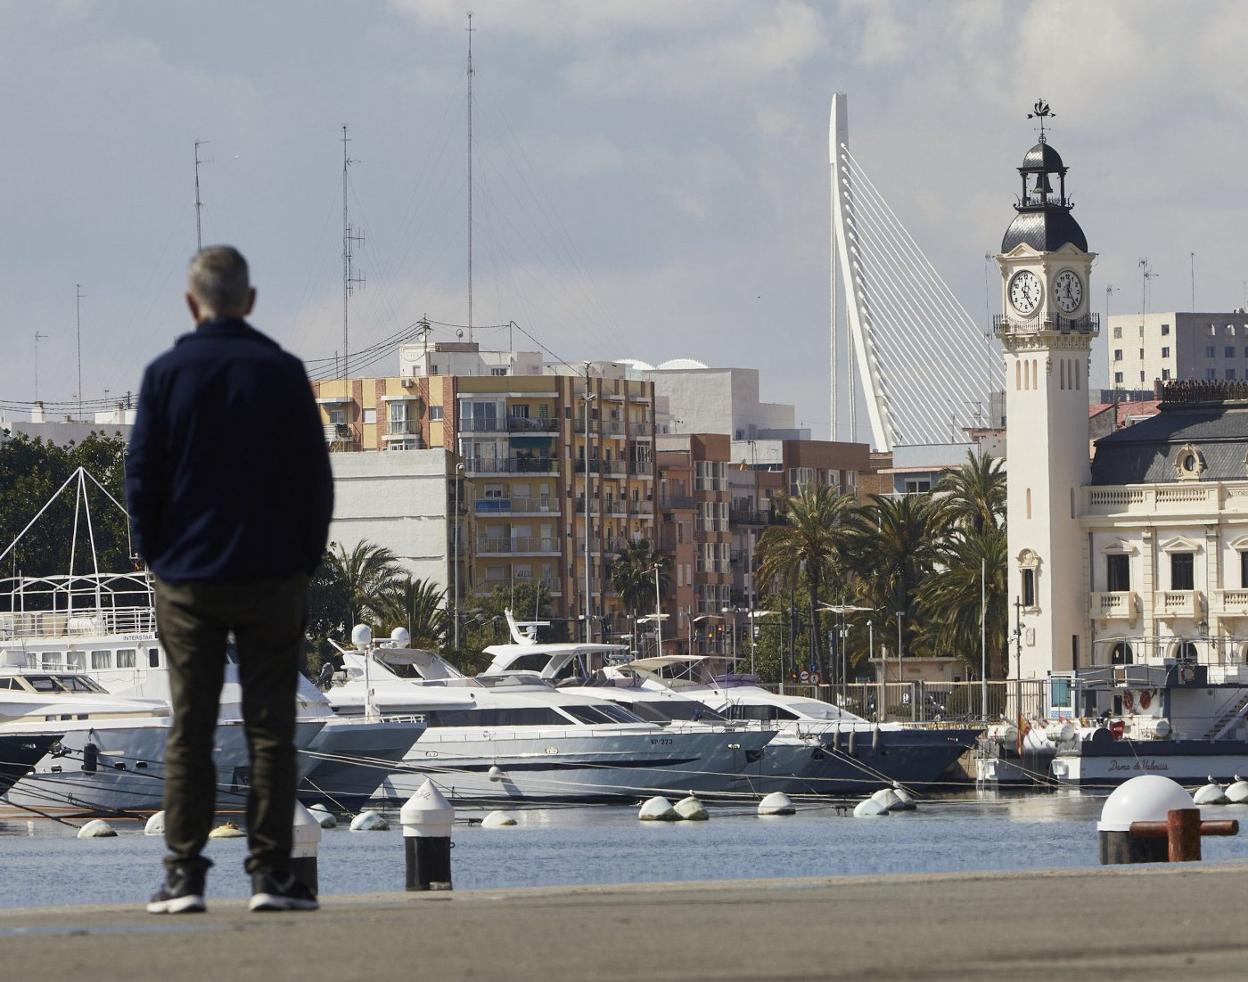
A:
1025	292
1068	290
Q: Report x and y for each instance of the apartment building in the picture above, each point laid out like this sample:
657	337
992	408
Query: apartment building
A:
1157	347
556	471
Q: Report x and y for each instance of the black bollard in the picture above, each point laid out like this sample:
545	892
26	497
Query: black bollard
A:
427	819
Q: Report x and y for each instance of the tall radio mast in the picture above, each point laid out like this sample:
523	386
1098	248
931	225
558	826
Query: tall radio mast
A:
349	279
470	29
199	229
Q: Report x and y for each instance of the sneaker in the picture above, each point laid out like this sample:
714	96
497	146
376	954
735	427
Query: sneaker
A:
280	891
181	893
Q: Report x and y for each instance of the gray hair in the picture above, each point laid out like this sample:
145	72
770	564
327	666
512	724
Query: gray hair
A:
218	279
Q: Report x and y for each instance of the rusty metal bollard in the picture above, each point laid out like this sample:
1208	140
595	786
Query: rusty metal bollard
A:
1182	831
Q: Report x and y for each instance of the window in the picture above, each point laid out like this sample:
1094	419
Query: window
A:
435	413
1211	374
1182	567
1230	351
918	485
370	415
153	658
1141	376
1165	352
1029	587
1060	692
1118	572
1243	569
1118	376
1121	654
1117	354
1165	374
76	659
1165	330
101	659
1210	351
498	371
1230	375
1117	332
125	658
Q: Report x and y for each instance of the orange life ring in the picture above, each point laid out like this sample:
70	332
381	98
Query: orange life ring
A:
1146	699
1128	700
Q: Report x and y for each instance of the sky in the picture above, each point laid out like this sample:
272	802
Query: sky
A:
650	177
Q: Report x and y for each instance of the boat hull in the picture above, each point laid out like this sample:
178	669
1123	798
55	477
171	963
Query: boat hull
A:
1190	762
349	758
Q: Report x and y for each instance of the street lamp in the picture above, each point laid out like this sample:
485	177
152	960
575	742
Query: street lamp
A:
658	619
842	610
459	470
733	611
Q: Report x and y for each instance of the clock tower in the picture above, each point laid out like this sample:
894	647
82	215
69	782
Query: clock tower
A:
1046	329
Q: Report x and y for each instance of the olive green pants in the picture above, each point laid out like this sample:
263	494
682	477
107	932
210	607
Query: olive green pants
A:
268	619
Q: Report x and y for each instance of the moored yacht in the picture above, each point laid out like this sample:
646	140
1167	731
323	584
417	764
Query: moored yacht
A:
517	738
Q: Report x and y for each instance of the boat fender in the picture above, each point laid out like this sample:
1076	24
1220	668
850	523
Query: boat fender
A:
97	829
498	820
905	800
691	810
875	737
776	803
869	808
1237	793
324	817
227	830
90	758
1210	794
155	825
657	809
850	746
369	821
494	773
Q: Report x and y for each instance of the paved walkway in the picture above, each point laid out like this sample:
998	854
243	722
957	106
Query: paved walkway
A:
1139	922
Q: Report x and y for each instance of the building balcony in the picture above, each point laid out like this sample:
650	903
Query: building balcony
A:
600	427
1232	603
1116	605
511	465
531	424
1178	604
598	466
642	469
543	504
519	546
1003	324
677	502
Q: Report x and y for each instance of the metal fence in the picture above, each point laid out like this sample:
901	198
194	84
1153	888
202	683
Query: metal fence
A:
929	702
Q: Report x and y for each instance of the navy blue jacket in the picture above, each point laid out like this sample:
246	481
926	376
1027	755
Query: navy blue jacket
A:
227	475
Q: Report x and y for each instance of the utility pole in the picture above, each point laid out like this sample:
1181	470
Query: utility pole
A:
38	337
78	333
1193	258
349	279
470	30
1146	274
199	204
588	399
1018	673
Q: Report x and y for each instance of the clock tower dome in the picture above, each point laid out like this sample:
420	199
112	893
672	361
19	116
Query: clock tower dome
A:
1046	329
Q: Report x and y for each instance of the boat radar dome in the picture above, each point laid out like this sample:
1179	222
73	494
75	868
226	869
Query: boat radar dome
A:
361	636
401	637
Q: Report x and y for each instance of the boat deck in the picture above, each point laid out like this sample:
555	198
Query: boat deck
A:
963	926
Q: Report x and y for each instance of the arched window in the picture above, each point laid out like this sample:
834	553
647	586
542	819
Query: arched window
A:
1183	651
1121	654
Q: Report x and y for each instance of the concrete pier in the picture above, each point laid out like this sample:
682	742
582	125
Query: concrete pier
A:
1148	922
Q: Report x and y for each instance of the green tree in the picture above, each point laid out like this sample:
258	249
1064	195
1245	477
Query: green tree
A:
366	577
891	546
951	599
632	577
806	552
419	606
973	496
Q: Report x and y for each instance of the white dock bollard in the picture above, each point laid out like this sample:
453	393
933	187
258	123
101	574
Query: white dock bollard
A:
1148	798
155	825
427	819
304	845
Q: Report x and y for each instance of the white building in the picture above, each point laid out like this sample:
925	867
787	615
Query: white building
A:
718	400
118	421
397	499
464	358
1046	330
1147	348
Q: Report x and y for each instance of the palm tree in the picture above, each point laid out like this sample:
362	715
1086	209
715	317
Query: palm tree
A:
419	606
368	575
806	549
632	576
951	599
891	547
974	495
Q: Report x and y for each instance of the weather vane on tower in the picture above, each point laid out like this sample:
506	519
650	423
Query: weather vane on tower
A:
1041	111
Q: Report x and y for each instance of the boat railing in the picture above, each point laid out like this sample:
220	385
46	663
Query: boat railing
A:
80	622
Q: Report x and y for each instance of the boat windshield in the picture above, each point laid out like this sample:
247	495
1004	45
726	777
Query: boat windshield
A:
818	710
606	712
669	710
62	683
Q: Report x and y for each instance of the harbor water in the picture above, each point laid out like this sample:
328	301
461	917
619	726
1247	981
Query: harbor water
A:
42	863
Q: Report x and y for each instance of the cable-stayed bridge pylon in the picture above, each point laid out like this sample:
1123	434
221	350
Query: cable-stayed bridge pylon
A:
925	368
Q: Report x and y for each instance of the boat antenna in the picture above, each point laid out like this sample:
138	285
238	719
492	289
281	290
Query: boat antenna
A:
78	332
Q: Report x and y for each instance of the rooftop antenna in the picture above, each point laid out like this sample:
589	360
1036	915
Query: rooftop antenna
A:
470	73
38	337
1041	111
349	279
1193	258
1146	274
199	204
78	333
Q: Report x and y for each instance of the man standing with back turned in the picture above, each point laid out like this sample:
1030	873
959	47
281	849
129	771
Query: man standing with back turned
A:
230	495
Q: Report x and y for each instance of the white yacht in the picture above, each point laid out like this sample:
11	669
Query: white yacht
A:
820	749
517	738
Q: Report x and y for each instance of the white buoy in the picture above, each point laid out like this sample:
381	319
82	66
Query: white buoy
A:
369	821
870	808
324	817
905	800
657	810
97	828
1237	793
494	773
1210	794
227	830
498	820
155	825
887	799
691	810
777	803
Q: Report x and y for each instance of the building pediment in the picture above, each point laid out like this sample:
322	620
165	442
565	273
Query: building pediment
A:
1181	543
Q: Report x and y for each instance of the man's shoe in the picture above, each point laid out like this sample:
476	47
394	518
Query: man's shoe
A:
181	893
280	891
